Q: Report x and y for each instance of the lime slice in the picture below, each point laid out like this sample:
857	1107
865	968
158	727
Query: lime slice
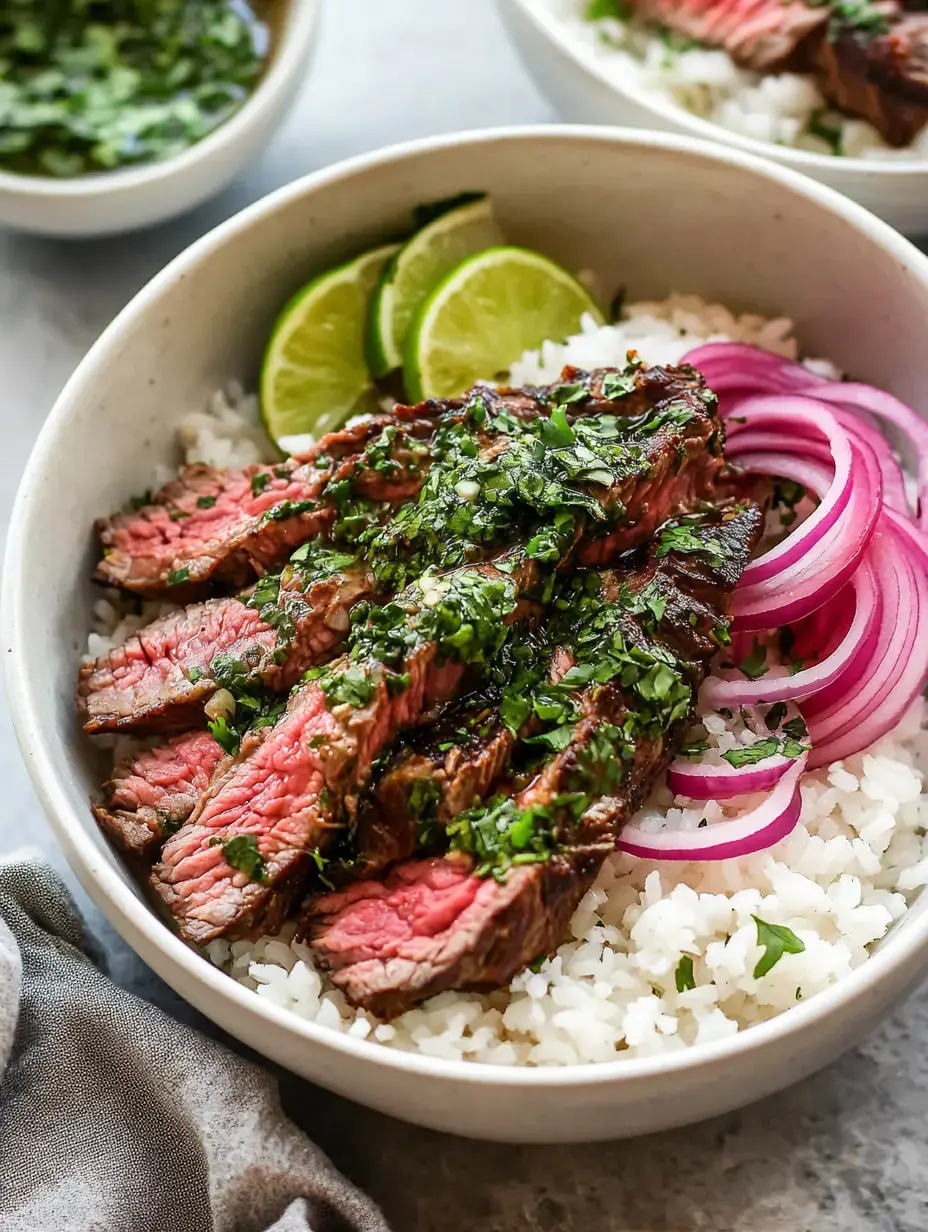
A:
421	263
486	312
314	375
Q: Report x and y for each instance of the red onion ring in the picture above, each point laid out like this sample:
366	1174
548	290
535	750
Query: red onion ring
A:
884	406
817	577
763	826
701	782
855	647
767	415
858	711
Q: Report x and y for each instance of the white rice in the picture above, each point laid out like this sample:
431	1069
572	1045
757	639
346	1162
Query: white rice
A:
784	108
839	881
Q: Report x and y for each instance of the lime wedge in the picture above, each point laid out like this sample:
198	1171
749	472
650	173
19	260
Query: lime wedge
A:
421	263
486	312
314	375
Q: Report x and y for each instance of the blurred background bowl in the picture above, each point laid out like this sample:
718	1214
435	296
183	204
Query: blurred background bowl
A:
583	92
108	202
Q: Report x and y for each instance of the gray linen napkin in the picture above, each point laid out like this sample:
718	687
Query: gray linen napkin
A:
116	1118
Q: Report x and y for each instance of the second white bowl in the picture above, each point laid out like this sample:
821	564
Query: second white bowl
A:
584	93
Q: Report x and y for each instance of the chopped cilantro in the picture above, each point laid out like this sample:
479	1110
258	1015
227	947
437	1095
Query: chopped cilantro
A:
768	747
225	735
694	748
683	976
754	664
795	728
241	852
600	10
90	85
777	940
775	716
259	482
205	502
177	577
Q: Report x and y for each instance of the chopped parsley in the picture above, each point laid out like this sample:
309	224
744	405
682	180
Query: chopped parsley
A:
754	664
241	852
601	10
753	753
683	976
682	537
225	735
776	940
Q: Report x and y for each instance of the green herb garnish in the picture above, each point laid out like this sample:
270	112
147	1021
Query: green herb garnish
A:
683	976
754	665
777	940
242	854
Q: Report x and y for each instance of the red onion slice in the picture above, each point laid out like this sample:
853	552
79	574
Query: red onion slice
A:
815	579
855	648
791	420
699	781
873	703
761	827
884	406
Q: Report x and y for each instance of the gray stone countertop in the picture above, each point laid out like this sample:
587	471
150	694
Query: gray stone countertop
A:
846	1151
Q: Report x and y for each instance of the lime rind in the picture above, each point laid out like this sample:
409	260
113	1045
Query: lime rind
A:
485	314
314	374
407	280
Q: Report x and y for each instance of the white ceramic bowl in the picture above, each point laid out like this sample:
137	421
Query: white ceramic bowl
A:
109	202
583	92
754	235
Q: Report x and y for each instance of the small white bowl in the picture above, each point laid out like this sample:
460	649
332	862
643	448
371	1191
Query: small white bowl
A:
754	235
108	202
583	92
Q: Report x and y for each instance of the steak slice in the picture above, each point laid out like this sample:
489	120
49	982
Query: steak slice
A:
244	853
436	924
162	676
607	457
445	768
882	77
225	526
763	35
153	793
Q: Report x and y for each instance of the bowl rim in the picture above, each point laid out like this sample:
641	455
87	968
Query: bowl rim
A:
708	130
296	33
133	918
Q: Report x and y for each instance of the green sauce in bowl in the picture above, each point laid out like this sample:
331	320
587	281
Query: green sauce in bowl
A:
91	85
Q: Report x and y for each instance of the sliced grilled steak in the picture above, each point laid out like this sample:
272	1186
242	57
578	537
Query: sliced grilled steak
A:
644	444
152	794
224	526
160	679
445	768
213	525
608	457
764	35
247	848
436	924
